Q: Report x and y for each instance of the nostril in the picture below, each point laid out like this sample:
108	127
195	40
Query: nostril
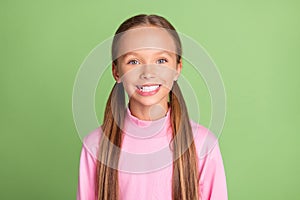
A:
146	75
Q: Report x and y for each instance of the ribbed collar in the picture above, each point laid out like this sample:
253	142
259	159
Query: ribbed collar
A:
143	129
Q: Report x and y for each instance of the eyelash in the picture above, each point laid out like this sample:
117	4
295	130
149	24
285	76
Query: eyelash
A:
158	59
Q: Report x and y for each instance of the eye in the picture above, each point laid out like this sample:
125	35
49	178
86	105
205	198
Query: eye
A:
162	60
133	62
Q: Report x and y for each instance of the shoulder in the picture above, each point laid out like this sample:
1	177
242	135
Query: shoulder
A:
205	140
91	141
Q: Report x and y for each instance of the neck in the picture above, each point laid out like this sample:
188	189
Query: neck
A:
149	113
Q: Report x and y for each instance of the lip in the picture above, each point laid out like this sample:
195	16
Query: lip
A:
148	85
148	93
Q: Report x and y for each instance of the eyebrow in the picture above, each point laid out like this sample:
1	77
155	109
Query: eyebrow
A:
136	54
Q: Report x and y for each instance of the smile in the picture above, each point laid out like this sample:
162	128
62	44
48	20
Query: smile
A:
146	90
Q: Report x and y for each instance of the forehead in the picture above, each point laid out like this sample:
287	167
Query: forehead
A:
148	52
145	37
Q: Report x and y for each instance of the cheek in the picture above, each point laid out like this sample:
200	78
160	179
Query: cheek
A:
129	72
165	90
129	85
168	76
167	82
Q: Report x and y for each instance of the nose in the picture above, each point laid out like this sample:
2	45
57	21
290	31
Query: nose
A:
147	72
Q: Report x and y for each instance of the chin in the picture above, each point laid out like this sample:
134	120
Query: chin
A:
147	102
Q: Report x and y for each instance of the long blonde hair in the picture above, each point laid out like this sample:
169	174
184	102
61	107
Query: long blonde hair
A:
185	178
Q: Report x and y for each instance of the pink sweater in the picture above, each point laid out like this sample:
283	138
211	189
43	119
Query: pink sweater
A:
150	176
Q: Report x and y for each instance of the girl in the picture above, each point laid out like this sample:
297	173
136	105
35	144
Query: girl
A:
146	63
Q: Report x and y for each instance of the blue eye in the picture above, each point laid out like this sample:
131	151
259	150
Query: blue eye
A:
133	62
162	61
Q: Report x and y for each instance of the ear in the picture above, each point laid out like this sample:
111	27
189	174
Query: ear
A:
115	72
178	70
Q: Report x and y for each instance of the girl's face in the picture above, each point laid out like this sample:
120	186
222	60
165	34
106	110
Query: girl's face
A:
147	65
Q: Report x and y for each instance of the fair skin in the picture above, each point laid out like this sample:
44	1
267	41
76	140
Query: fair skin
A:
147	67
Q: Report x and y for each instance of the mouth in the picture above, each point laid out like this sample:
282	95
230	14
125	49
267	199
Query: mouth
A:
148	89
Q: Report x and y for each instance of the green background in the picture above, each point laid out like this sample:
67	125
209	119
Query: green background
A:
255	45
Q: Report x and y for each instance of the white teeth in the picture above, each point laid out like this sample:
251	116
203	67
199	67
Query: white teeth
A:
148	88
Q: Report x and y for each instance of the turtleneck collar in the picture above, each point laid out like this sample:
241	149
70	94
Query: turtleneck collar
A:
144	129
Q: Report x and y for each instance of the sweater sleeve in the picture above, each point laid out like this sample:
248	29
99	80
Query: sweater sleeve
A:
87	176
213	180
